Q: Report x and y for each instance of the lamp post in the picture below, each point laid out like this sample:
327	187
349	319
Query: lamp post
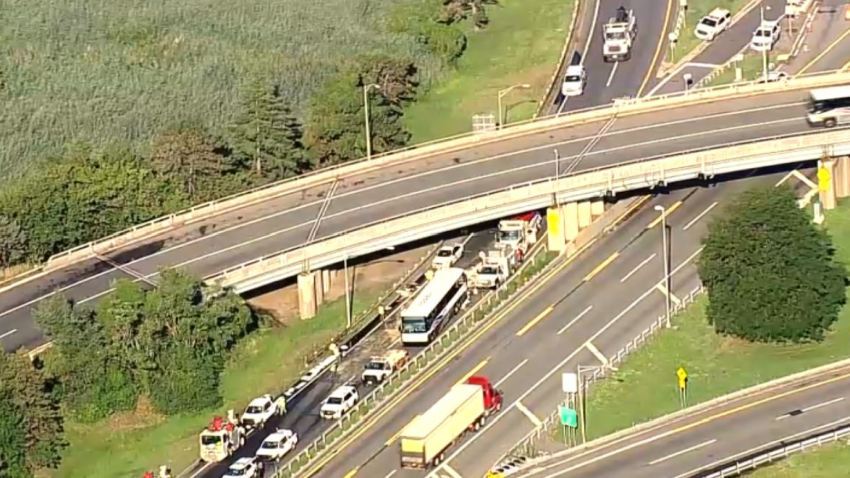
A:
505	92
366	113
764	51
557	174
348	288
666	252
582	398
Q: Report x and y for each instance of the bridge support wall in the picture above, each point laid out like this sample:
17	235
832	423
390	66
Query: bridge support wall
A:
566	222
841	178
309	293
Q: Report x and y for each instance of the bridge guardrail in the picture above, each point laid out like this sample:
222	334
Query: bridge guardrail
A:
589	184
458	142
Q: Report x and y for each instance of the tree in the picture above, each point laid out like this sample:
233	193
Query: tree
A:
770	273
190	158
30	410
396	77
458	10
13	242
431	25
266	135
335	131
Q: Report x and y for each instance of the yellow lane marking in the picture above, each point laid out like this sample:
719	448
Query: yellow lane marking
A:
351	473
474	370
595	351
601	266
438	366
666	214
699	423
827	50
531	323
846	66
658	48
528	413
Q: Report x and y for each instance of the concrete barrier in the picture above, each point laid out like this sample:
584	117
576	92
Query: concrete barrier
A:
620	108
586	185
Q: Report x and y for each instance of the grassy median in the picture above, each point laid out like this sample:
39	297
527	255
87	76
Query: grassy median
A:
269	360
644	387
696	10
828	461
521	45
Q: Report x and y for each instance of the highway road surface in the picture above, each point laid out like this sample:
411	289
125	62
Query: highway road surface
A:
285	222
697	443
584	311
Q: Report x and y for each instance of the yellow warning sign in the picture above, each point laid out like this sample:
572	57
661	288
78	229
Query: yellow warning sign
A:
553	221
682	375
824	179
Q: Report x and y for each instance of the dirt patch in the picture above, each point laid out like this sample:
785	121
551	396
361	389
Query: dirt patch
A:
282	304
143	416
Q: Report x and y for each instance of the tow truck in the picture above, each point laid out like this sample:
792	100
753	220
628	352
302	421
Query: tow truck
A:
619	35
221	438
494	269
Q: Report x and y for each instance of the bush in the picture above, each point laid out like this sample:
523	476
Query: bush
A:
188	384
770	273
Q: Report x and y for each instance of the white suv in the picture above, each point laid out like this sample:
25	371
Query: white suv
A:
713	24
244	468
278	444
260	410
574	81
765	36
339	402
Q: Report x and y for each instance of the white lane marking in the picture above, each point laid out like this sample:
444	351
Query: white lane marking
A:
388	475
632	272
451	471
682	452
807	409
6	334
448	168
699	216
558	367
611	76
201	470
591	35
513	370
673	297
576	319
528	413
595	351
747	452
703	65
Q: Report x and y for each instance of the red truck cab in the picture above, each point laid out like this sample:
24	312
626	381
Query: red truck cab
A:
492	397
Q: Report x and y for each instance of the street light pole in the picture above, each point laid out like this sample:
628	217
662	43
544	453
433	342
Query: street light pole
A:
505	92
347	293
666	252
764	51
366	89
557	174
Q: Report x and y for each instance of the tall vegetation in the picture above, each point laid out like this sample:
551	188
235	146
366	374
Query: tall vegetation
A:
770	273
169	344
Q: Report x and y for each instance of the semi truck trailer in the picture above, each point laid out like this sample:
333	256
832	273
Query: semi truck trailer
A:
465	407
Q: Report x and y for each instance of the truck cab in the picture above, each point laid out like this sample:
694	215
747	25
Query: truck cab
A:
618	35
381	367
221	438
492	396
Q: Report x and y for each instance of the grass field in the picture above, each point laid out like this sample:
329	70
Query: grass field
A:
645	385
828	461
696	10
751	69
522	45
267	361
105	70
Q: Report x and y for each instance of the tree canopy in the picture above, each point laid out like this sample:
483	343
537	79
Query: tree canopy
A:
770	273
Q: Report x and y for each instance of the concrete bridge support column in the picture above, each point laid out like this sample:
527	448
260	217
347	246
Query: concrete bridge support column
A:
597	208
320	287
585	217
826	183
307	295
326	281
563	226
842	177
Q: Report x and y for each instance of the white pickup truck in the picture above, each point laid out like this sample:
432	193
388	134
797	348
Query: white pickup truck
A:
494	269
619	35
379	368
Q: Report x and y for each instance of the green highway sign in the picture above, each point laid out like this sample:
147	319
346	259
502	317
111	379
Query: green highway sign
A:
569	417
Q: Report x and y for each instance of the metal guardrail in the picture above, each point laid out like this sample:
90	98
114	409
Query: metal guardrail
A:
589	184
387	390
780	452
462	141
527	445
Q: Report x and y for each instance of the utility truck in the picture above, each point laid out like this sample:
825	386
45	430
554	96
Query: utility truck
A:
619	35
494	269
221	438
381	367
465	407
519	233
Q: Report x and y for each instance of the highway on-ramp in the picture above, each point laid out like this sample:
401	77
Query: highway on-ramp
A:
286	222
697	443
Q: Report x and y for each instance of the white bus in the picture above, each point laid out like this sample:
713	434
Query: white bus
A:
829	106
441	297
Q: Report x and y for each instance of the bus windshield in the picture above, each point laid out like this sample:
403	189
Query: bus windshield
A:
413	325
509	236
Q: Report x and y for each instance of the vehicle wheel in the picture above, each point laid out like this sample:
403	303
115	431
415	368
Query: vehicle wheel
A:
476	426
499	406
829	122
438	459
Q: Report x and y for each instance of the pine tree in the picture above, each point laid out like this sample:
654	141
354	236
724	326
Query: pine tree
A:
190	158
770	273
266	135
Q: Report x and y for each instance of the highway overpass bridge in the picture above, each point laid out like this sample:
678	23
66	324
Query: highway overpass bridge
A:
321	218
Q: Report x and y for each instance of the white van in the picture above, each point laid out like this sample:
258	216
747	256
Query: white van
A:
574	81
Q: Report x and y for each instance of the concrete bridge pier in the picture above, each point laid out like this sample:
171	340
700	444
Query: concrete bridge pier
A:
841	177
311	293
564	223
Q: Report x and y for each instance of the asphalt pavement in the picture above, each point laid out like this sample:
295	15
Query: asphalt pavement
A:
693	444
278	224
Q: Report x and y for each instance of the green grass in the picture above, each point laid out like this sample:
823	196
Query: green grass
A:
521	45
696	10
267	361
828	461
752	68
123	70
644	387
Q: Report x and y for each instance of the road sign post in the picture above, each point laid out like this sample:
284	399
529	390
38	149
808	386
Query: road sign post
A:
682	379
569	418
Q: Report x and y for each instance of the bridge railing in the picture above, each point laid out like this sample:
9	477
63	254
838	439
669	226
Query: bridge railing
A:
327	175
430	220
